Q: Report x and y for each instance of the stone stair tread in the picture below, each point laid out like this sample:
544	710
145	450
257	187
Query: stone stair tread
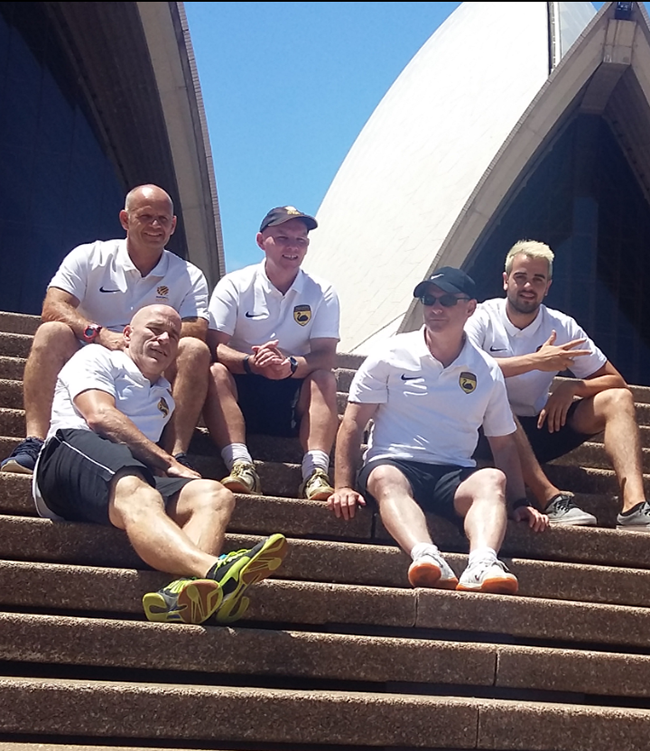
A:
57	639
130	710
102	591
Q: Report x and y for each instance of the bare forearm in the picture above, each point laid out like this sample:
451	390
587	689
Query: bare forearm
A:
514	366
506	458
112	424
586	387
66	313
348	455
233	359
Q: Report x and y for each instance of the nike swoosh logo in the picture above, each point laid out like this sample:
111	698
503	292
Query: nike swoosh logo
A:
497	349
410	378
254	315
101	289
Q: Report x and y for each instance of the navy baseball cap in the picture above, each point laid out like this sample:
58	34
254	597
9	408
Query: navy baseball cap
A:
449	280
282	214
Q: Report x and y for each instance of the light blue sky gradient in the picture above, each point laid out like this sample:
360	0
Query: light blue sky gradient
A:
287	89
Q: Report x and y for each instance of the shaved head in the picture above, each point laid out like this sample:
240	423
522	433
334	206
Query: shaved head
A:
146	194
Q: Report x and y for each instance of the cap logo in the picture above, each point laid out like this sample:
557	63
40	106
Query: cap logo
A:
163	406
291	210
302	314
436	276
467	381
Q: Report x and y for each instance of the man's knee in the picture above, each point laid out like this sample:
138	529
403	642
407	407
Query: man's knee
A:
221	378
487	484
193	352
206	497
385	480
614	401
133	501
55	341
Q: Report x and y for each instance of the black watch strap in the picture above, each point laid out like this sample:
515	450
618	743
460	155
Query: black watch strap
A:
247	365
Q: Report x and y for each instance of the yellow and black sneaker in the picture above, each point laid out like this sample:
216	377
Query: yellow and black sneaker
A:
317	487
183	601
236	571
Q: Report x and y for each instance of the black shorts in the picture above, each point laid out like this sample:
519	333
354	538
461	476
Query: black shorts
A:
546	446
269	406
75	470
433	485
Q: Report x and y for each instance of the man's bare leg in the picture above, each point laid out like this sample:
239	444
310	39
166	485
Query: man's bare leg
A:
613	412
138	509
318	411
481	500
190	386
54	344
534	477
221	412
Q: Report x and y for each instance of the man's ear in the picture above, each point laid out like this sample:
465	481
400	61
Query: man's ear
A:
173	225
124	219
471	307
548	286
505	280
127	333
259	238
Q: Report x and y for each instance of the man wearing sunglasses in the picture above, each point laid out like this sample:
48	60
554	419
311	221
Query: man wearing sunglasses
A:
427	393
532	344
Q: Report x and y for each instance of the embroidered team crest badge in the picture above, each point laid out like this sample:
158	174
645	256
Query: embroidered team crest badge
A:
302	314
162	291
467	381
163	406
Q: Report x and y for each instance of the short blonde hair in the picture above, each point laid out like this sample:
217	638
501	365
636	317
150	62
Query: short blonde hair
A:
533	249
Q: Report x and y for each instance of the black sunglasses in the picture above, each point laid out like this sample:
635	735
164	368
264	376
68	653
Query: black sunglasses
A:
447	301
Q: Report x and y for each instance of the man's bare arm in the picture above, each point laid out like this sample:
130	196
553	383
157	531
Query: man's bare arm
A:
60	305
99	411
223	353
345	499
548	358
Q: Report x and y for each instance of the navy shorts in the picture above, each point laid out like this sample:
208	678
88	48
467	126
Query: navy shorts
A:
75	471
433	485
546	446
269	406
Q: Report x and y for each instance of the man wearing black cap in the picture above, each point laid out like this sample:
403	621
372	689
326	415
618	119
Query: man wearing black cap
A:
427	393
273	333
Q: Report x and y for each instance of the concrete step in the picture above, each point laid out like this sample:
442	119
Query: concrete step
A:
19	323
369	563
12	368
94	591
128	710
15	345
78	641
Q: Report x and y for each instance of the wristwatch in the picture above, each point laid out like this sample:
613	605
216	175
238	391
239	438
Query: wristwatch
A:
294	364
91	332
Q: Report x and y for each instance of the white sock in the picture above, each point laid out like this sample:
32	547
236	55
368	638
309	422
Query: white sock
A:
482	554
424	548
314	459
235	452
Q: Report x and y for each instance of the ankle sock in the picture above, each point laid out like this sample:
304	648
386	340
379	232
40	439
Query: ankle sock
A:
235	452
481	554
424	548
314	459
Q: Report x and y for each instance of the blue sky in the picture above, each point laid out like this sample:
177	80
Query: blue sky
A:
287	88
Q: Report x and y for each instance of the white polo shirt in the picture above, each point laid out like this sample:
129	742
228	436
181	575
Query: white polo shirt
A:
251	310
429	413
110	289
148	405
491	330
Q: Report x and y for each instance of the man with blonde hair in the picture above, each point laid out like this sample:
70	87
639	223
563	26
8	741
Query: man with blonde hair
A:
532	344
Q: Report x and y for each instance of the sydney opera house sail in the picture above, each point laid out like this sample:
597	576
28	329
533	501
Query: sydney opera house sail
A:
96	98
515	120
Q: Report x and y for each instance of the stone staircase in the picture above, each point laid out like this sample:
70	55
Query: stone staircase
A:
336	651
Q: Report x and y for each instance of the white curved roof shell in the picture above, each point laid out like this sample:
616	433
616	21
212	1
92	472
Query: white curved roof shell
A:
423	151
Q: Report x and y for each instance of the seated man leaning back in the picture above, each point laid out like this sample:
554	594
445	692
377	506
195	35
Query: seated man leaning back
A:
273	333
532	344
427	393
101	464
93	295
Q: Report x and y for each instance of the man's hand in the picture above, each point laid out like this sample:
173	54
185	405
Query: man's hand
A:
556	408
344	501
551	357
537	521
268	361
176	469
110	339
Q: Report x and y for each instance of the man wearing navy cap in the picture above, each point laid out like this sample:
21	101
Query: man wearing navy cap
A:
273	332
427	393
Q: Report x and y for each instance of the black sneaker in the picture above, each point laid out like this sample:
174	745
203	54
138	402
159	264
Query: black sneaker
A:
23	457
236	571
183	601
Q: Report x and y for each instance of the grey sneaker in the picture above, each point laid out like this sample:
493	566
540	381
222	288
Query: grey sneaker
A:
488	575
562	510
432	571
635	520
23	457
243	478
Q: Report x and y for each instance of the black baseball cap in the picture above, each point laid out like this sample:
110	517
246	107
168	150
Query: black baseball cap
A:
449	280
282	214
